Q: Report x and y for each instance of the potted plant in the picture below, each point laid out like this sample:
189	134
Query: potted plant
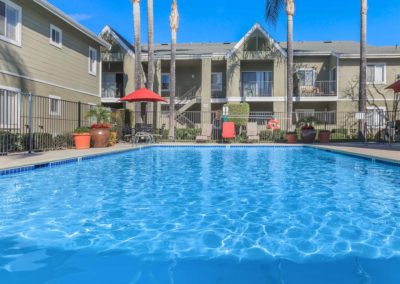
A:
82	138
100	131
291	137
307	130
113	136
324	136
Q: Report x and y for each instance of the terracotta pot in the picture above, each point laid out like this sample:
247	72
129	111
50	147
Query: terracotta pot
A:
308	135
82	141
100	137
291	138
324	136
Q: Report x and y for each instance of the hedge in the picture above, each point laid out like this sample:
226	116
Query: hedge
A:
238	113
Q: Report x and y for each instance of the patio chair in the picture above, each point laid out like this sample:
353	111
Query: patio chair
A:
206	133
228	130
252	132
143	132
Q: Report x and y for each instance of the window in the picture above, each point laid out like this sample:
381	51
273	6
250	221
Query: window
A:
256	83
54	105
10	109
10	22
306	76
216	81
92	61
376	73
165	82
375	117
55	36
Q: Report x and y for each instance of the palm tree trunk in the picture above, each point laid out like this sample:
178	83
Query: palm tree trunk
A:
138	56
172	87
174	22
150	19
290	13
362	104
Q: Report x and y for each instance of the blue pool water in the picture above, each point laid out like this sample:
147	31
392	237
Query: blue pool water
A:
203	215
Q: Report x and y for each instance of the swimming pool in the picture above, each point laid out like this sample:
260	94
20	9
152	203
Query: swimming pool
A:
203	215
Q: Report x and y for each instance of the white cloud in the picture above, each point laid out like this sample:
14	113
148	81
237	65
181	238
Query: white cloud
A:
81	17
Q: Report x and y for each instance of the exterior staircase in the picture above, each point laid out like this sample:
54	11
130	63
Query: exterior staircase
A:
183	103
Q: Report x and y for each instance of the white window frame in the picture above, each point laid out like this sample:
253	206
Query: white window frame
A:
375	112
18	28
56	44
92	72
53	113
384	73
169	82
18	108
314	75
219	89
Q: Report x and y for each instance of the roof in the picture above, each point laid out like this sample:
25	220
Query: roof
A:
129	48
340	47
343	49
67	19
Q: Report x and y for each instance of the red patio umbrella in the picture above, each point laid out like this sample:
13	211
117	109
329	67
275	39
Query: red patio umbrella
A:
143	95
395	87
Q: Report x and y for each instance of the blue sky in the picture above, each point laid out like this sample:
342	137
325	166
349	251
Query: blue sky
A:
228	20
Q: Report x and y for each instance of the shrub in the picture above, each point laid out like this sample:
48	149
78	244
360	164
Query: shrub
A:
186	134
340	131
272	136
63	141
82	130
9	142
239	113
41	141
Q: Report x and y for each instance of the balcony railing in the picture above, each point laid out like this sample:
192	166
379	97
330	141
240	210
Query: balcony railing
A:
112	91
318	89
112	57
257	89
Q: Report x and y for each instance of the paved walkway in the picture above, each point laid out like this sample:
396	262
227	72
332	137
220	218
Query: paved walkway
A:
390	153
383	152
25	159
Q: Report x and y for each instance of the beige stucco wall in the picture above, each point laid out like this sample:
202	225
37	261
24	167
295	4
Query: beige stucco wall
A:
40	61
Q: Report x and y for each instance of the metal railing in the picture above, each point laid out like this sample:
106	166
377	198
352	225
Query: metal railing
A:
257	89
318	89
112	91
112	57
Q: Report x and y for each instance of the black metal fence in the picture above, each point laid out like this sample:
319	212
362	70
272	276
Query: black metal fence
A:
35	123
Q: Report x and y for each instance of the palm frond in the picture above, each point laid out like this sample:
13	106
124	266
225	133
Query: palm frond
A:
272	10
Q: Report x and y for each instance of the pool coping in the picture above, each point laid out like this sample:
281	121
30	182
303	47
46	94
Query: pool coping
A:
79	158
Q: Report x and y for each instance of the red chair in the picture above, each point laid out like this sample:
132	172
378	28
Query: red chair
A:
228	130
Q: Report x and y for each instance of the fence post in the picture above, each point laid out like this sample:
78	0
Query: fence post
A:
30	123
79	113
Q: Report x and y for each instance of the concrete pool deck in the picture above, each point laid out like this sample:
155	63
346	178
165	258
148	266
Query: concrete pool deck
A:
389	153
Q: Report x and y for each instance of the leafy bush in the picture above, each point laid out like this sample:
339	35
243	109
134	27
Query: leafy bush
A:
272	136
186	134
41	141
82	130
340	131
9	142
239	113
63	141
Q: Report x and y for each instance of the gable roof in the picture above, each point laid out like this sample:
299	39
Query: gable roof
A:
129	48
256	27
67	19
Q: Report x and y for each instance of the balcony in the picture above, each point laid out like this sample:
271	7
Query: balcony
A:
112	57
112	91
257	89
318	89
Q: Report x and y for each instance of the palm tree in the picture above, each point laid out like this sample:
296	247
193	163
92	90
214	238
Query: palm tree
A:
138	54
150	30
174	23
273	8
362	104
